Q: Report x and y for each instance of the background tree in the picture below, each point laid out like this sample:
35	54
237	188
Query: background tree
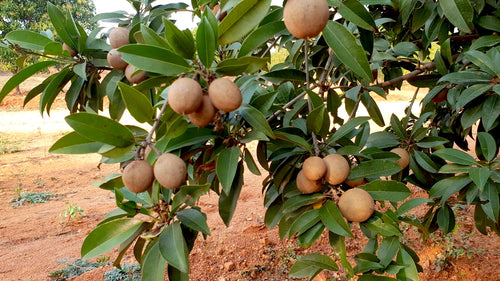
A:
291	110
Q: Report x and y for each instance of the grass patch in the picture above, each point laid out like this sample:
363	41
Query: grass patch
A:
8	146
128	272
31	197
73	269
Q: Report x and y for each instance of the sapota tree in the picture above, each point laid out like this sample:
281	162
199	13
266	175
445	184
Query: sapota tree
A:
324	173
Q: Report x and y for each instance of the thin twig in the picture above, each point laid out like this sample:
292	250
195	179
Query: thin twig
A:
411	105
271	46
309	104
426	67
356	106
153	129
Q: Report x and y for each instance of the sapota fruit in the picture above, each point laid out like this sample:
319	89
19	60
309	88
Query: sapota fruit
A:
170	171
356	205
69	49
204	114
118	37
185	95
337	169
115	60
225	94
138	176
306	186
404	159
306	18
132	76
314	168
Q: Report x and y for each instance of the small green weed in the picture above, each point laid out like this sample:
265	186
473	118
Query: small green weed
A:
72	211
129	272
73	269
8	146
30	197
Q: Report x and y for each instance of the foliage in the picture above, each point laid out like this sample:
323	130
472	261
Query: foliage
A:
31	197
128	272
7	146
72	211
291	110
73	268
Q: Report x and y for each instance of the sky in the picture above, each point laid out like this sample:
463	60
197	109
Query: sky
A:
184	19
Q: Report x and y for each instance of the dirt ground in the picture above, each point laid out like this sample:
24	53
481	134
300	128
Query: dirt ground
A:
34	237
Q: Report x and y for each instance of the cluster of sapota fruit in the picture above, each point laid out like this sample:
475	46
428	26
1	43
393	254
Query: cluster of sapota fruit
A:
119	37
186	97
355	204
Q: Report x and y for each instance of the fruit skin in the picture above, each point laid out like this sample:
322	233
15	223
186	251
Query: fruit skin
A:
306	186
306	18
69	49
138	176
337	169
441	96
118	37
356	205
137	78
225	94
185	95
355	183
115	60
204	114
170	171
314	168
404	161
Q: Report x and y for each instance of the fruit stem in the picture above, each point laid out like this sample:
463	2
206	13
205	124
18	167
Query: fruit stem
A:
309	104
411	106
153	129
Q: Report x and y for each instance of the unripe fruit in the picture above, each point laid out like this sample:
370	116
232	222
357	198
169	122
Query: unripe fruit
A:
314	168
170	171
404	159
185	95
115	60
306	186
118	37
134	78
69	49
225	94
204	114
306	18
337	169
138	176
356	205
355	183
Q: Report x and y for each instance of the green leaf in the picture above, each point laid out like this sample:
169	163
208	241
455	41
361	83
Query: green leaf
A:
471	93
388	250
371	277
460	13
485	41
382	140
153	264
81	70
348	51
194	219
298	140
387	190
66	30
446	219
227	202
227	164
432	141
137	103
410	204
374	169
490	111
409	272
483	61
27	39
251	165
489	22
100	129
22	75
312	264
152	38
279	76
54	88
206	41
455	156
300	201
333	220
479	175
318	121
448	186
377	225
466	77
304	222
425	162
355	12
348	128
109	235
234	67
260	36
173	247
154	59
492	207
488	145
453	169
74	143
191	136
180	42
246	15
256	119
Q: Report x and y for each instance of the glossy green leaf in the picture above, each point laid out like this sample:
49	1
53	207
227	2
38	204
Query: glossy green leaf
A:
448	186
28	39
312	264
466	77
153	264
227	202
256	119
100	129
409	272
355	12
251	165
233	67
348	128
374	169
191	136
194	219
382	140
483	61
453	169
490	111
137	103
432	141
333	220
471	93
227	164
67	31
446	219
488	145
318	121
455	156
206	42
279	76
490	22
173	247
348	51
377	225
152	38
388	250
480	176
298	140
490	194
154	59
180	42
109	235
371	277
389	190
304	222
459	12
300	201
410	204
74	143
241	19
53	89
22	75
260	36
485	41
373	109
425	162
